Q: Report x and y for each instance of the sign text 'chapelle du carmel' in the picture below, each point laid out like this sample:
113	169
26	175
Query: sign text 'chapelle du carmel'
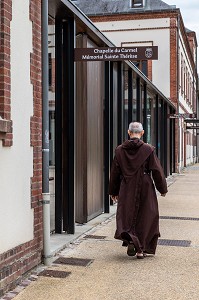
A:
116	53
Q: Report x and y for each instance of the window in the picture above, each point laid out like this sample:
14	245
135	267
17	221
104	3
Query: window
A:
184	79
51	138
181	77
149	120
142	65
50	70
125	104
186	84
136	3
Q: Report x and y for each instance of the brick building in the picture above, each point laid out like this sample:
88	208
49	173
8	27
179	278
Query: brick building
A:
93	105
20	139
155	23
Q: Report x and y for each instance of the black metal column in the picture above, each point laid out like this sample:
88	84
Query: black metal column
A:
111	112
145	114
138	99
111	120
165	139
58	126
130	96
171	135
120	102
157	125
174	148
107	137
162	135
173	144
68	126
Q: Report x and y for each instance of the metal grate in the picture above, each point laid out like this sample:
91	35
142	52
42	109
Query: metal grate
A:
193	167
176	243
97	237
54	274
179	218
83	262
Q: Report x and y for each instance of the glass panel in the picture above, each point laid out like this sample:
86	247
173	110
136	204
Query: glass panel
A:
159	128
50	70
115	107
125	106
142	104
136	63
153	121
52	138
134	115
51	97
145	68
148	119
137	3
51	94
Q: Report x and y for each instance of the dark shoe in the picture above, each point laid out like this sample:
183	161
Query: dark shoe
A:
131	251
125	244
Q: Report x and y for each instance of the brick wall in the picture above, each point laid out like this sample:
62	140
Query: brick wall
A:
190	37
18	261
5	80
174	86
187	45
149	62
36	120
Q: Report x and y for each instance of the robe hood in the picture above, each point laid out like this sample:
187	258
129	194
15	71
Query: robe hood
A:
133	154
132	144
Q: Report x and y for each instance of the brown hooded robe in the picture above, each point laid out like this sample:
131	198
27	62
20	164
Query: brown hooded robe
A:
137	216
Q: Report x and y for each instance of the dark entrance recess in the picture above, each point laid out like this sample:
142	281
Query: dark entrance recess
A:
58	127
106	136
79	121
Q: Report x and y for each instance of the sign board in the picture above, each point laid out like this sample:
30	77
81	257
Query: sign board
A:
173	116
185	115
192	127
116	53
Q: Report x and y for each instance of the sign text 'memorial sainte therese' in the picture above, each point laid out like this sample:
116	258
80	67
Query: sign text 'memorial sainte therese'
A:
116	53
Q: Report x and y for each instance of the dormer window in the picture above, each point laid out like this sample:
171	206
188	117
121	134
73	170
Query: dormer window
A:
136	3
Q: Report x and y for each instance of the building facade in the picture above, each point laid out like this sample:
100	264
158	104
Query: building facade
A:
20	139
155	23
121	93
90	106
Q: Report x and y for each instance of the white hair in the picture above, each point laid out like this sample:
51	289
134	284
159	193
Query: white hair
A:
135	127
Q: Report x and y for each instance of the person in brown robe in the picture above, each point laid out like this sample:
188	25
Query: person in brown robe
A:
131	185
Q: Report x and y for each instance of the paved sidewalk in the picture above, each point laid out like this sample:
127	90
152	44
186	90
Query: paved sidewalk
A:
172	274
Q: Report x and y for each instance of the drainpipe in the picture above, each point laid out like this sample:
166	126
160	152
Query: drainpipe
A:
45	137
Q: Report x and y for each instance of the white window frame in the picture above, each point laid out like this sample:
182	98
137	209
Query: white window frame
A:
136	5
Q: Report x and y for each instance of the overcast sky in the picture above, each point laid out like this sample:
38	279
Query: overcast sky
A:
190	13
